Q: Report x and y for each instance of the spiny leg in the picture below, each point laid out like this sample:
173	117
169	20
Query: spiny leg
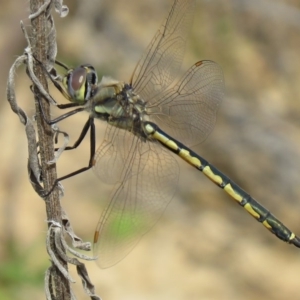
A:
88	125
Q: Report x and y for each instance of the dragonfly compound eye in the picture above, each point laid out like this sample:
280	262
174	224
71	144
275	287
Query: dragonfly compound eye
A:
76	84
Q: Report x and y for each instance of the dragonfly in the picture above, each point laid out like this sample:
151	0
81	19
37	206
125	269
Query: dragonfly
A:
151	120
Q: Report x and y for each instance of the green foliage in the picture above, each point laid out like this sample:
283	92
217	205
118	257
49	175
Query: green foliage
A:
19	273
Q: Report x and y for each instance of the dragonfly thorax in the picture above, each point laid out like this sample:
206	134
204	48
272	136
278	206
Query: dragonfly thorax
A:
116	103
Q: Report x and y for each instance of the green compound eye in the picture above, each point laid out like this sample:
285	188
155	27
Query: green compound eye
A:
80	83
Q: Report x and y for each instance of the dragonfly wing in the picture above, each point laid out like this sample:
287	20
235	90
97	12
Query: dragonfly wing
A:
111	158
137	202
162	59
188	110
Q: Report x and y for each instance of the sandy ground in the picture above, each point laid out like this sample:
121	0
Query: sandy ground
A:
204	246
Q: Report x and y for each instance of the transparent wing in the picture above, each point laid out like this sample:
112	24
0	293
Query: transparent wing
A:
161	61
188	110
112	156
149	182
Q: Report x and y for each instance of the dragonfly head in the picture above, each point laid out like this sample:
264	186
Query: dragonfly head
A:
80	83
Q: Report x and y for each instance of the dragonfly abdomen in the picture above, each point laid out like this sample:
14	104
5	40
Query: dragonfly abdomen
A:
254	208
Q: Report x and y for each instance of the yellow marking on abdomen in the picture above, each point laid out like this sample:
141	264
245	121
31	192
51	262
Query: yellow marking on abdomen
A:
267	225
292	236
194	161
229	190
209	173
251	211
166	141
149	129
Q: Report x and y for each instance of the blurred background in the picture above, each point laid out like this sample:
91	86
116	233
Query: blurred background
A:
204	246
